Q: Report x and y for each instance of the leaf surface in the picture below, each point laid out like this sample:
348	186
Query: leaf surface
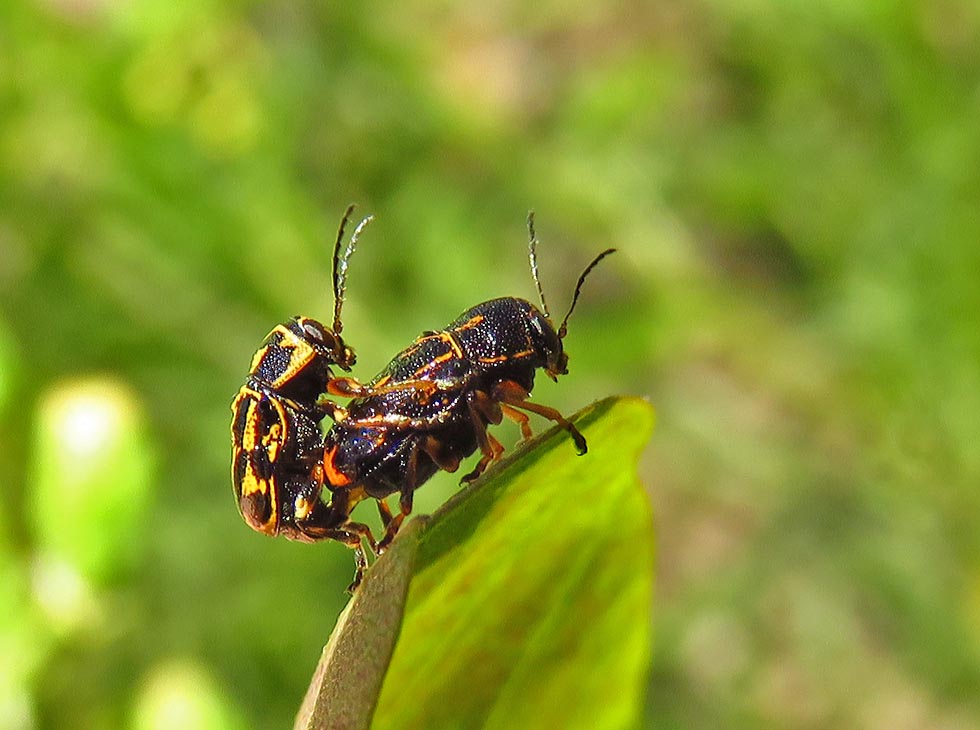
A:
525	601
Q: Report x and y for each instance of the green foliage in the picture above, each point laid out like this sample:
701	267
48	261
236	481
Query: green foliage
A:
528	595
96	467
793	189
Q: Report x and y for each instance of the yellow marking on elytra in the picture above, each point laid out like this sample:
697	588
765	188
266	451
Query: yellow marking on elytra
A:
253	484
455	352
335	477
503	358
273	441
255	435
446	357
471	322
450	340
265	436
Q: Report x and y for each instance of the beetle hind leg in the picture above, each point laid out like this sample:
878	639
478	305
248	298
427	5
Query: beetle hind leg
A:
391	530
333	523
385	513
447	461
353	535
404	501
445	458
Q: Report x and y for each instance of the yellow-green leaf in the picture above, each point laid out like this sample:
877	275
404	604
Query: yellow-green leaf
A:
529	597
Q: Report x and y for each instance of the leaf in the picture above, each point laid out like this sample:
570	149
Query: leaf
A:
345	687
525	600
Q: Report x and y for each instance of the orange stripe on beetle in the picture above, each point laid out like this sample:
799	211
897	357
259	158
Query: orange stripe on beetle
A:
335	477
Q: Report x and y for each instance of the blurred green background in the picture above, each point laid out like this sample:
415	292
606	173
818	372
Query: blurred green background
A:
795	193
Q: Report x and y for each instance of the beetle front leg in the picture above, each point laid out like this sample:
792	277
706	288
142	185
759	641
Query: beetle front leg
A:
327	407
521	419
512	394
348	387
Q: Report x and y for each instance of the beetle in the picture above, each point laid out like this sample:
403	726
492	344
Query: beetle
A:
277	444
484	363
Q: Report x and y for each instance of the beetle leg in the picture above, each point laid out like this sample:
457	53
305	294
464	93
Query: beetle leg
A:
336	411
435	450
405	507
351	534
360	558
520	418
353	388
443	457
512	394
479	403
361	532
487	407
385	511
404	501
332	523
392	529
358	533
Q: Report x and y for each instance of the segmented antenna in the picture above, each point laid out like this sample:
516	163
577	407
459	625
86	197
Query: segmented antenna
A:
340	264
533	255
563	330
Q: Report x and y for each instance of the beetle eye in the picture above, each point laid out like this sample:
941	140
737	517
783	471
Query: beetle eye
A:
536	323
316	331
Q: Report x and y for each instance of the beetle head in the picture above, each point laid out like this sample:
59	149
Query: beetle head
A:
549	340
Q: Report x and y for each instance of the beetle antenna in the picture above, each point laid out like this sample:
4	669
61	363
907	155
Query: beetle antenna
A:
338	299
533	255
340	264
563	330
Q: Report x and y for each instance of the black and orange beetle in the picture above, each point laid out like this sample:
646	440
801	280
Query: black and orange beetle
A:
483	364
427	410
277	445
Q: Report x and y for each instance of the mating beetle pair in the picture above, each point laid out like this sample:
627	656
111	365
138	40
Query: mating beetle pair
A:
427	410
